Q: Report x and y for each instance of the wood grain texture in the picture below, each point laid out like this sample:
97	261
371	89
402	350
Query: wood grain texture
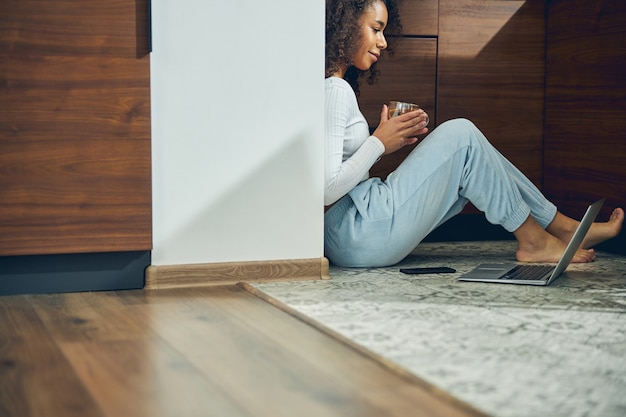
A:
85	28
491	71
384	362
420	17
213	351
75	170
585	148
35	377
194	275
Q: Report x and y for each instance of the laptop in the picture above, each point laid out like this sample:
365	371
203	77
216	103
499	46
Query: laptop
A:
525	274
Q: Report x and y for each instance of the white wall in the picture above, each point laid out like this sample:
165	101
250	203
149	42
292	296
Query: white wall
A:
237	130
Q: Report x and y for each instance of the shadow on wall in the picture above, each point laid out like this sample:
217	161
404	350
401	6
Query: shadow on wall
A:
222	228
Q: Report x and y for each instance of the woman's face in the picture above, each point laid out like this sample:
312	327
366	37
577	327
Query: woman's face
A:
372	23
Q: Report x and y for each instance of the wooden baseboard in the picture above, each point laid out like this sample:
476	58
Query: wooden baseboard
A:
197	275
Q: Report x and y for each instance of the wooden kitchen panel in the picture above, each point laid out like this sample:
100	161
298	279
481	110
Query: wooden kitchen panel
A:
585	148
75	170
420	17
67	27
491	71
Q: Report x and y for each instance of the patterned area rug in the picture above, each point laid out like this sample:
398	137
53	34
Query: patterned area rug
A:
505	349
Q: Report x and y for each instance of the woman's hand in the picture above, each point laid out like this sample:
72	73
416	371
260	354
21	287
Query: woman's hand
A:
397	132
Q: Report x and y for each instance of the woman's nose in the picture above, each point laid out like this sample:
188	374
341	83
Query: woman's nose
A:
382	42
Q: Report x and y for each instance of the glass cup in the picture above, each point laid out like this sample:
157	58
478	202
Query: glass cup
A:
396	108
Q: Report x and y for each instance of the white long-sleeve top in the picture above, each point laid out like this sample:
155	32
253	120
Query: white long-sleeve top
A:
350	150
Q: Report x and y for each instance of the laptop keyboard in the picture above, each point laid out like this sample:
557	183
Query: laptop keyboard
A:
528	272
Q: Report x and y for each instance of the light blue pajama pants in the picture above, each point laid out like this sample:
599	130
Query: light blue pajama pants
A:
379	223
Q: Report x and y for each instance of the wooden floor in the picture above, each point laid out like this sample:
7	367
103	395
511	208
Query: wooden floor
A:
219	351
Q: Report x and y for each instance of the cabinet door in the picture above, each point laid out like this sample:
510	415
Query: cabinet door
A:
491	71
75	172
586	106
420	17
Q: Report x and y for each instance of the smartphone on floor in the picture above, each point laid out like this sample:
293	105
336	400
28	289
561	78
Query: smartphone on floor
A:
428	270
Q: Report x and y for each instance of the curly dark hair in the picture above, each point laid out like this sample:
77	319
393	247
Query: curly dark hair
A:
342	37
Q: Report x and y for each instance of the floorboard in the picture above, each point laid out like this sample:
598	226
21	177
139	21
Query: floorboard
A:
36	379
214	351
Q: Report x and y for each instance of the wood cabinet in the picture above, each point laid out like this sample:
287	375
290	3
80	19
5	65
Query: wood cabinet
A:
75	172
491	71
585	148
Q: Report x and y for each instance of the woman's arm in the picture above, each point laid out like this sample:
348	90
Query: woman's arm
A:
346	131
350	150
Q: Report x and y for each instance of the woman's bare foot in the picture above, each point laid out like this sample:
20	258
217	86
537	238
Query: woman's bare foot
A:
550	250
564	227
537	245
601	231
